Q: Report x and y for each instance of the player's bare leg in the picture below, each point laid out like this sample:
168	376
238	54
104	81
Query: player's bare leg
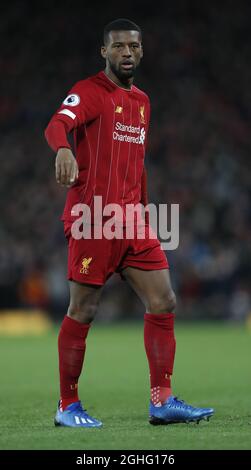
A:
155	290
71	348
84	299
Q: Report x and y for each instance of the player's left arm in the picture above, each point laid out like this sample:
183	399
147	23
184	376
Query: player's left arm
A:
144	193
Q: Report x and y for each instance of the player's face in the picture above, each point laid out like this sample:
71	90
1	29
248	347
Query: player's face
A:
123	53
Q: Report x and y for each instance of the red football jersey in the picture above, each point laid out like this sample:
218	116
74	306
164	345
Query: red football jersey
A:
110	126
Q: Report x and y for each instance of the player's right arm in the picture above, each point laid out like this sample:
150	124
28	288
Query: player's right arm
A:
66	167
82	104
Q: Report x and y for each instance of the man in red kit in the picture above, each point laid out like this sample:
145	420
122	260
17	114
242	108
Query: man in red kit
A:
109	118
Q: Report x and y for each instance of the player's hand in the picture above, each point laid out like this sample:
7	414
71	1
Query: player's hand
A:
66	167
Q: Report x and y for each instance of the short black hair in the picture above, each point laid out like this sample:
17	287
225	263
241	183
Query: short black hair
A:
121	24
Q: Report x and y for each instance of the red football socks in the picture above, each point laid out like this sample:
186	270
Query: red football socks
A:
160	350
71	350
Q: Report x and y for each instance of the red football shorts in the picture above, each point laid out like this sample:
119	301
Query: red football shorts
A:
93	261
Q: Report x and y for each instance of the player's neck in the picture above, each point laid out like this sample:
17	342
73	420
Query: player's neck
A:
114	79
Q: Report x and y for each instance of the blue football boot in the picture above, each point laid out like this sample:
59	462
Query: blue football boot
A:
177	411
75	417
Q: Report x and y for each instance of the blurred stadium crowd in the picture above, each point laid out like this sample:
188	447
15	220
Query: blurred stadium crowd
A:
197	72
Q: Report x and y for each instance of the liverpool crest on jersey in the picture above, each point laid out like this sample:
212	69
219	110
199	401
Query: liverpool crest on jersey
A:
142	114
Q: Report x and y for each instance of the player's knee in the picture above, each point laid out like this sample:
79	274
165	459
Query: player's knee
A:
82	311
163	303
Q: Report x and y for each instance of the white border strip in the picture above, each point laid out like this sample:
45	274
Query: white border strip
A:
68	113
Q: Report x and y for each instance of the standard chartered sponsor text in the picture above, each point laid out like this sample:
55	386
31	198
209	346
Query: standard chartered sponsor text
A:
140	131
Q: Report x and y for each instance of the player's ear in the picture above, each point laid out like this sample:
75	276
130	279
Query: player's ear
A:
103	52
141	51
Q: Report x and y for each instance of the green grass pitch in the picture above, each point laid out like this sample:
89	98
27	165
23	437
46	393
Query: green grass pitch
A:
212	368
